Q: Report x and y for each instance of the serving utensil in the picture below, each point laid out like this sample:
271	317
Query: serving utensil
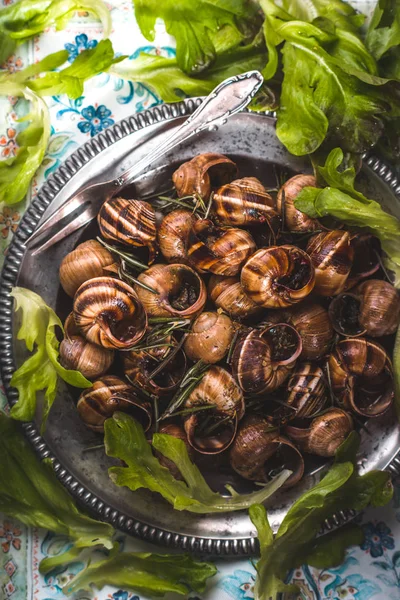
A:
228	98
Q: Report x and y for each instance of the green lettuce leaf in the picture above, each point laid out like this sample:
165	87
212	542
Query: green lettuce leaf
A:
201	28
125	440
345	203
328	88
341	13
41	369
295	541
329	550
16	173
30	492
171	83
154	574
384	29
26	18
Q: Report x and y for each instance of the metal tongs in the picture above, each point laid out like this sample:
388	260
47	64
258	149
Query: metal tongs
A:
228	98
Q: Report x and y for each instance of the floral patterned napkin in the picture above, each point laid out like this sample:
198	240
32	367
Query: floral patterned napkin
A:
370	571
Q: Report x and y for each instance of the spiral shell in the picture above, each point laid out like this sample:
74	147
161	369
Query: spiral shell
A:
107	396
332	257
88	260
295	220
129	222
80	355
227	293
218	250
307	391
245	203
218	389
204	171
180	291
173	235
325	433
210	337
262	360
257	452
108	313
278	276
362	376
139	365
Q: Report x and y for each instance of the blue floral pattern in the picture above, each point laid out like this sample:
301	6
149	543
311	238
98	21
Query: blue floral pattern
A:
95	119
377	539
82	43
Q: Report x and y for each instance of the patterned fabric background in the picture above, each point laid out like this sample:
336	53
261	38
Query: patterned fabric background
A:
369	571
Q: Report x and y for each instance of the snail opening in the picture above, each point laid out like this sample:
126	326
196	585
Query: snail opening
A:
285	457
373	397
299	275
214	432
367	250
184	293
170	375
284	341
124	330
344	312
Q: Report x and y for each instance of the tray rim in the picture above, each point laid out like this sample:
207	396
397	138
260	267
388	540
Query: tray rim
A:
9	276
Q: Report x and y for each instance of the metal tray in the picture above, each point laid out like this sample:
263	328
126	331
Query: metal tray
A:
249	139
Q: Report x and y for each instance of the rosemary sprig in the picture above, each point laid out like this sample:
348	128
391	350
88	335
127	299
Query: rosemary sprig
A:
194	409
128	258
167	359
209	205
198	369
90	448
208	430
232	346
123	274
156	320
187	385
177	201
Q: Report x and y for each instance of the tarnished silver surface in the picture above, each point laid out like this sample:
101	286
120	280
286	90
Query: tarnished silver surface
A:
250	140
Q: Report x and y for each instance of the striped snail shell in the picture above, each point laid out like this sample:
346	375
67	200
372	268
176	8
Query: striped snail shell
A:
278	276
258	448
245	202
324	434
218	250
295	220
107	396
218	389
227	293
108	313
129	222
80	355
307	391
180	291
88	260
332	256
202	173
361	375
173	235
210	337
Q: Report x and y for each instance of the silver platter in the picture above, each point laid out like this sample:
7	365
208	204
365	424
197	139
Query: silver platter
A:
251	141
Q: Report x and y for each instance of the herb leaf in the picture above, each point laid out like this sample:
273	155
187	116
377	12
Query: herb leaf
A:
40	370
125	439
340	488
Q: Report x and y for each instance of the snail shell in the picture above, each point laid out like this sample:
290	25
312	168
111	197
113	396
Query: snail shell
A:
362	376
312	322
257	452
218	389
80	355
332	256
367	250
218	250
173	235
210	337
325	433
181	291
262	360
88	260
139	364
177	432
227	293
129	222
372	308
307	392
109	314
278	276
245	202
204	171
295	220
107	396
